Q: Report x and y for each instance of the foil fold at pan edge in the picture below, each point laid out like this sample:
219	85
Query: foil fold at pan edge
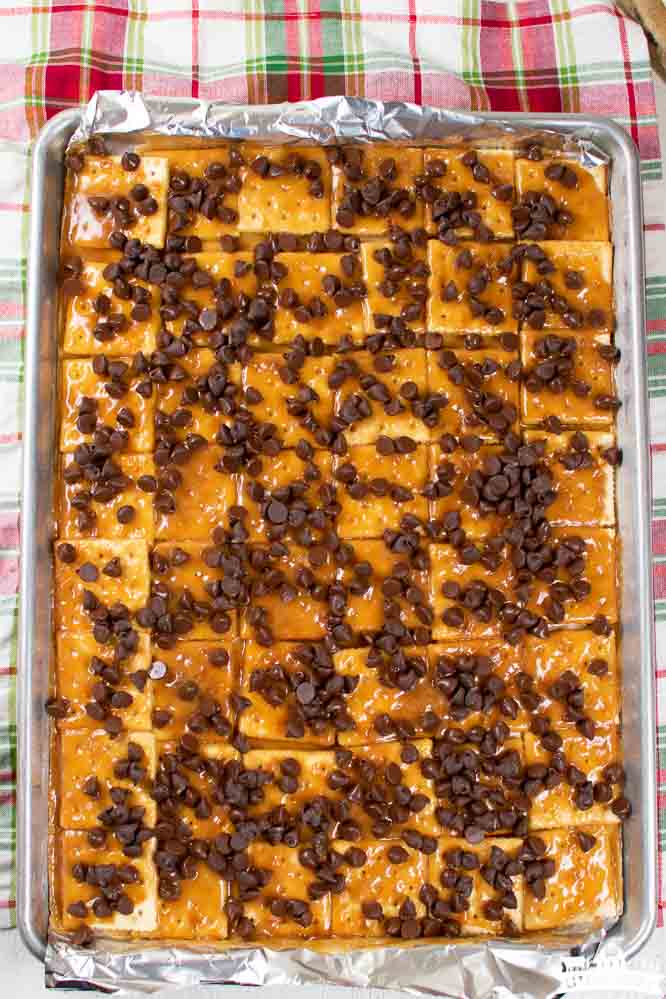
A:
323	121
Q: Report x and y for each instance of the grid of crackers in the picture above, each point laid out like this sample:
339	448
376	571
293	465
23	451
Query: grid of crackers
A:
336	601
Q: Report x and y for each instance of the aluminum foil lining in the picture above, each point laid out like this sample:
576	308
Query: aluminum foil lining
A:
325	121
466	970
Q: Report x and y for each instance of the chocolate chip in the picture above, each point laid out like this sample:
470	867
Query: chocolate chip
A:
66	553
397	855
130	161
88	572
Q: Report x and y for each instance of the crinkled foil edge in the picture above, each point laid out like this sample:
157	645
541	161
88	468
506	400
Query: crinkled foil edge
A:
325	120
464	970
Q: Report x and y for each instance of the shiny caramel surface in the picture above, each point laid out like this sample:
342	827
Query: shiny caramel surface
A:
288	880
405	368
337	632
408	164
474	920
277	474
373	698
575	408
80	381
556	806
587	885
459	178
77	809
75	849
576	651
585	201
293	614
593	263
305	274
382	881
77	654
263	375
188	676
585	492
263	720
199	912
83	318
201	499
283	203
370	515
460	415
91	558
104	177
106	524
454	314
600	573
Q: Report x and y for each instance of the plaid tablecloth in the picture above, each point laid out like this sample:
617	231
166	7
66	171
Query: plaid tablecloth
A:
535	55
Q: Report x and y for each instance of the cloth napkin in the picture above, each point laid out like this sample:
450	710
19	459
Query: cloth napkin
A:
536	55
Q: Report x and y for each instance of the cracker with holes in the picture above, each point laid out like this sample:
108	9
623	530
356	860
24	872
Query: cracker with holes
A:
584	566
115	194
558	198
192	688
291	694
383	395
195	395
581	466
294	783
586	888
97	682
289	495
480	685
460	471
109	313
209	298
91	765
477	780
387	591
591	778
289	594
467	589
106	497
285	189
570	376
381	896
194	495
575	674
395	272
566	285
199	911
471	288
378	490
393	695
476	391
203	193
109	398
293	398
468	193
101	888
92	575
480	887
374	188
387	793
193	777
186	600
284	907
320	296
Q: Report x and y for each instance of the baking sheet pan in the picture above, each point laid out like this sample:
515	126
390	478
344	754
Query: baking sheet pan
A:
503	962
